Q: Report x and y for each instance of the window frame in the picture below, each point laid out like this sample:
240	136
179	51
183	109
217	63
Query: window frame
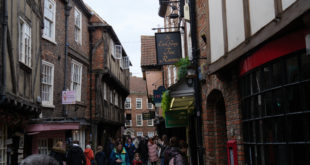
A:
53	22
78	36
137	103
150	125
128	98
137	120
23	57
141	133
51	92
150	132
148	103
78	94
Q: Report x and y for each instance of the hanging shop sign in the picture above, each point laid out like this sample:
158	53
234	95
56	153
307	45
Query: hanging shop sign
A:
168	48
68	97
148	115
158	93
177	118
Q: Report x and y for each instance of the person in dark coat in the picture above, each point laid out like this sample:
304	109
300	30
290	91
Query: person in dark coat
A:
130	148
100	156
76	155
143	150
58	153
173	155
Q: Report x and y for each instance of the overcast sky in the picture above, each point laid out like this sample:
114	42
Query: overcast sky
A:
130	19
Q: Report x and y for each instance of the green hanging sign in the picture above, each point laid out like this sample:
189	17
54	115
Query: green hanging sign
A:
176	118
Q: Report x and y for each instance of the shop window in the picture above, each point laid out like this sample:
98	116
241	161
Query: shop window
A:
275	111
43	146
292	69
305	66
3	149
277	73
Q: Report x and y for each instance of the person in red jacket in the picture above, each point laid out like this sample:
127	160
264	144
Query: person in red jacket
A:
89	154
137	160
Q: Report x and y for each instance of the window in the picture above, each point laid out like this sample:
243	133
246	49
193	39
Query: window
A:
112	47
24	43
3	146
139	120
174	74
76	79
169	76
138	103
49	19
118	51
140	134
43	146
150	122
128	103
125	63
275	112
149	105
128	123
104	91
47	83
111	96
77	26
116	99
150	134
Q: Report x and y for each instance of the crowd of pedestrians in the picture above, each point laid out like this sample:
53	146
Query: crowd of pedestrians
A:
119	151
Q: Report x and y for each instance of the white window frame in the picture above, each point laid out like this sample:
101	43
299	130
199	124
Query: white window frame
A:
129	100
105	91
169	75
148	105
49	85
115	98
112	46
111	96
78	91
152	122
43	146
118	51
140	133
140	99
150	133
24	42
174	74
52	20
77	27
125	62
139	125
130	123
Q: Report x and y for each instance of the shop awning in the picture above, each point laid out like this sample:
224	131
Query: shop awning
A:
182	103
52	127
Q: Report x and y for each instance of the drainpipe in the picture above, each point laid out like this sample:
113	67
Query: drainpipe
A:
67	14
195	51
90	77
4	48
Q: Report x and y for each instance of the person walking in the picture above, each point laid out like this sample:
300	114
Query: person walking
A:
119	155
58	152
152	148
130	148
100	156
75	155
163	144
173	155
89	155
143	151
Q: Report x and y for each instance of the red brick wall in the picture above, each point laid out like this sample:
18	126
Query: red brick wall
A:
48	135
133	111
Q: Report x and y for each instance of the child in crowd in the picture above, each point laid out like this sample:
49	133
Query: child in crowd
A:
137	160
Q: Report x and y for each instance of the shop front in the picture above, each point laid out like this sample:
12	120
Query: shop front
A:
275	102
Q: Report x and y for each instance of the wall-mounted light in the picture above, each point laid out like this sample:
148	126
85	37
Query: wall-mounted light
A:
307	44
